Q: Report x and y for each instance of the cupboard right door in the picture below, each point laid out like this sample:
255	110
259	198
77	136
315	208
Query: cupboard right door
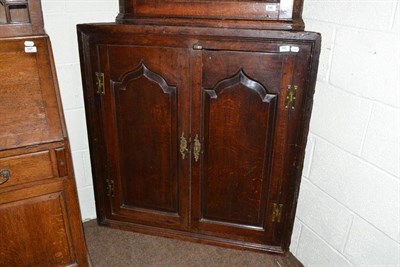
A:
246	101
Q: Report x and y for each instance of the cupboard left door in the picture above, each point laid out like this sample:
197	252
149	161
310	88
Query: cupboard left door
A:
143	110
35	228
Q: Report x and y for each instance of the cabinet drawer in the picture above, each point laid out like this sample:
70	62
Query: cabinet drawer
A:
25	168
36	230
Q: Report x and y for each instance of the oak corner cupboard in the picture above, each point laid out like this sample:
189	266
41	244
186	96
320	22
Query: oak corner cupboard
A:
40	222
198	124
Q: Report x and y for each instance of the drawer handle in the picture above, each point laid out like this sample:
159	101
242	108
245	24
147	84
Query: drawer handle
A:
5	174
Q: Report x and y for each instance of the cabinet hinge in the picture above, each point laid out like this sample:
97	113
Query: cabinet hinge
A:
100	83
110	188
290	101
277	212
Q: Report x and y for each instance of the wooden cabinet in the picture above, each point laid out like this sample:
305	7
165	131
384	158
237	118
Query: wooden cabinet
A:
40	223
20	18
198	133
39	212
143	108
240	120
253	14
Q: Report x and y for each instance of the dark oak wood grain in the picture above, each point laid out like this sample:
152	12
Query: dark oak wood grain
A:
234	14
144	99
236	123
225	91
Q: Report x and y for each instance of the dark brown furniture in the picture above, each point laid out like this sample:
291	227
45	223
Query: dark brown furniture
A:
20	18
39	212
196	132
239	14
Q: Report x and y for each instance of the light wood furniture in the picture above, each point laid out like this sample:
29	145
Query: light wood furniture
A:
39	212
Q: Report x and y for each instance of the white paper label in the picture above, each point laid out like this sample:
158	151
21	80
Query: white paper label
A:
286	9
30	49
284	48
270	7
295	49
29	43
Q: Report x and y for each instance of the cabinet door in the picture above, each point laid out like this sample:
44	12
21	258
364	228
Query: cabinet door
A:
243	132
144	119
35	228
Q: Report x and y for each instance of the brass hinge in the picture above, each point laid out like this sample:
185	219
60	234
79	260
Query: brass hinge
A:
277	212
100	83
110	188
290	101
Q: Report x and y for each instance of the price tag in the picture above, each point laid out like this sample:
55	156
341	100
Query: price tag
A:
284	48
270	8
29	43
30	49
294	49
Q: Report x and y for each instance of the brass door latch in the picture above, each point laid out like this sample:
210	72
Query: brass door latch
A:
290	101
183	146
110	188
277	212
196	148
100	83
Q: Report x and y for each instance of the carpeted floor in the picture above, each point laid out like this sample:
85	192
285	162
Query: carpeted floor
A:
110	247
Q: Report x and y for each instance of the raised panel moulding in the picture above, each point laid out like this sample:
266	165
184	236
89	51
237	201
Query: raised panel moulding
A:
142	70
240	78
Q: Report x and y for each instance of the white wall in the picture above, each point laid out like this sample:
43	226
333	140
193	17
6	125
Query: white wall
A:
349	206
61	17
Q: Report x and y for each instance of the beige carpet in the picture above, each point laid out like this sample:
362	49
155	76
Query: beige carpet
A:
110	247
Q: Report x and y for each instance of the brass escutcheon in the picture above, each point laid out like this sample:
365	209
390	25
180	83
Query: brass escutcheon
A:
196	148
183	146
